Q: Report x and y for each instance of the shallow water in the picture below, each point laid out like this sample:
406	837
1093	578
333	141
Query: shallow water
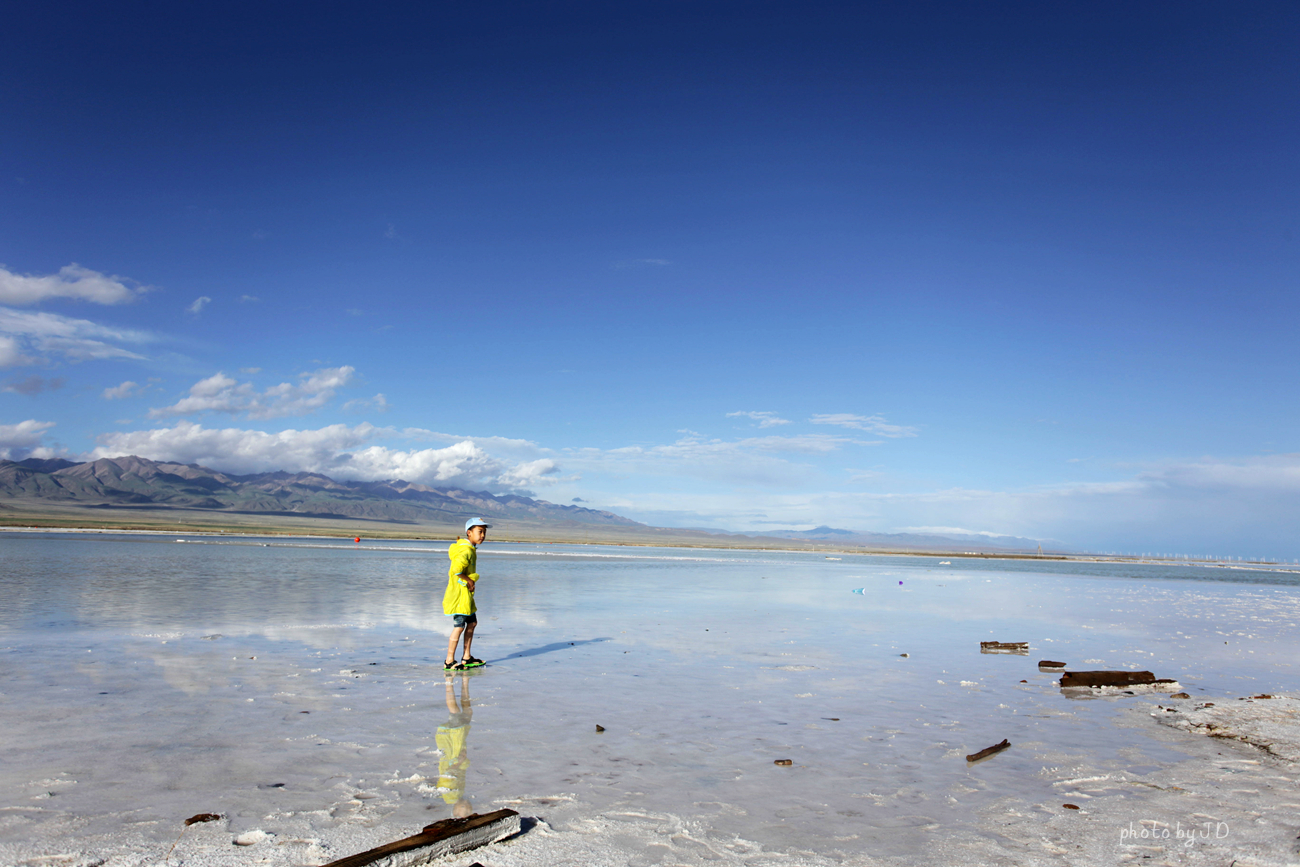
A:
145	679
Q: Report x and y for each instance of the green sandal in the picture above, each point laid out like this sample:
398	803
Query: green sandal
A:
471	662
453	666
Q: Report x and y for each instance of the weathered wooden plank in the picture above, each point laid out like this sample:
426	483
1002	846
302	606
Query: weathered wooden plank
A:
446	837
988	751
1111	678
1020	648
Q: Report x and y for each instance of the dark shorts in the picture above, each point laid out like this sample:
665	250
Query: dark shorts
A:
463	619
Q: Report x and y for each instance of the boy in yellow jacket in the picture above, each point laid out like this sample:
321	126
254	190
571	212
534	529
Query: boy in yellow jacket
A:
458	601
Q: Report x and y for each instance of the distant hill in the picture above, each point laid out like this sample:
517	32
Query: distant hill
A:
138	482
909	540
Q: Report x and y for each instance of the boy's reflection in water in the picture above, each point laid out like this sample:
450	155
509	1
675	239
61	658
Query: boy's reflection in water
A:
452	739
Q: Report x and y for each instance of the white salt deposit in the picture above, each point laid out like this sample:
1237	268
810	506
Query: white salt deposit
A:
1269	722
297	691
251	838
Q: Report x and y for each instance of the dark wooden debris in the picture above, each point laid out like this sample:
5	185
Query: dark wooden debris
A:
1048	663
202	817
441	838
1020	648
785	763
988	751
1111	678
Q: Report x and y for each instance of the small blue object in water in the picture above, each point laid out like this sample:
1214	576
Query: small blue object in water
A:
860	590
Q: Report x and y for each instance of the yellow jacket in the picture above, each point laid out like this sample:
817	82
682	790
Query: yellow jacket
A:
458	599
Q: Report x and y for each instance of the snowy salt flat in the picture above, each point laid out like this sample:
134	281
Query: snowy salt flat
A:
294	687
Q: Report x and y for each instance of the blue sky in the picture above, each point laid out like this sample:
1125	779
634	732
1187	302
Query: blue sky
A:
1020	269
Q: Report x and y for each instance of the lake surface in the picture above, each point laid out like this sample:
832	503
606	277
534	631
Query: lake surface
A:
144	679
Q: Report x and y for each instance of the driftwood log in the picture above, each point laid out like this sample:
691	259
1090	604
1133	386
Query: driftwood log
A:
988	751
1048	663
441	838
1021	648
1111	678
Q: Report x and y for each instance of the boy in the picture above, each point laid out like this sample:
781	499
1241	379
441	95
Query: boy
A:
458	601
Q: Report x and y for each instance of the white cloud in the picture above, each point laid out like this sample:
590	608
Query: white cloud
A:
873	423
338	451
764	419
530	474
948	531
197	305
751	461
864	475
378	403
10	354
52	334
461	465
221	393
72	281
515	449
125	390
641	263
236	450
1265	473
18	441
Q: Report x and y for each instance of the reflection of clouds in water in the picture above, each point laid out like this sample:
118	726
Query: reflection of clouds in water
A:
515	613
198	673
322	637
192	675
251	672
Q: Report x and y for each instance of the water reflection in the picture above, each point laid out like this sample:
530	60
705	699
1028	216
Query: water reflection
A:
453	740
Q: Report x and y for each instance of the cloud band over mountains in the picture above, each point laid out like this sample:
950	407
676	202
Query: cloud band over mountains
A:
342	452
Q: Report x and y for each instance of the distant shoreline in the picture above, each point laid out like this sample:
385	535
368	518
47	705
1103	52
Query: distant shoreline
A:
19	525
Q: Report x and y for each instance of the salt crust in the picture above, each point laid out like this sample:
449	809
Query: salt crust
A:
1128	689
1234	799
1272	724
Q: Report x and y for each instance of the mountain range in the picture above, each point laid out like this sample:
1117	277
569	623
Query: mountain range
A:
128	482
